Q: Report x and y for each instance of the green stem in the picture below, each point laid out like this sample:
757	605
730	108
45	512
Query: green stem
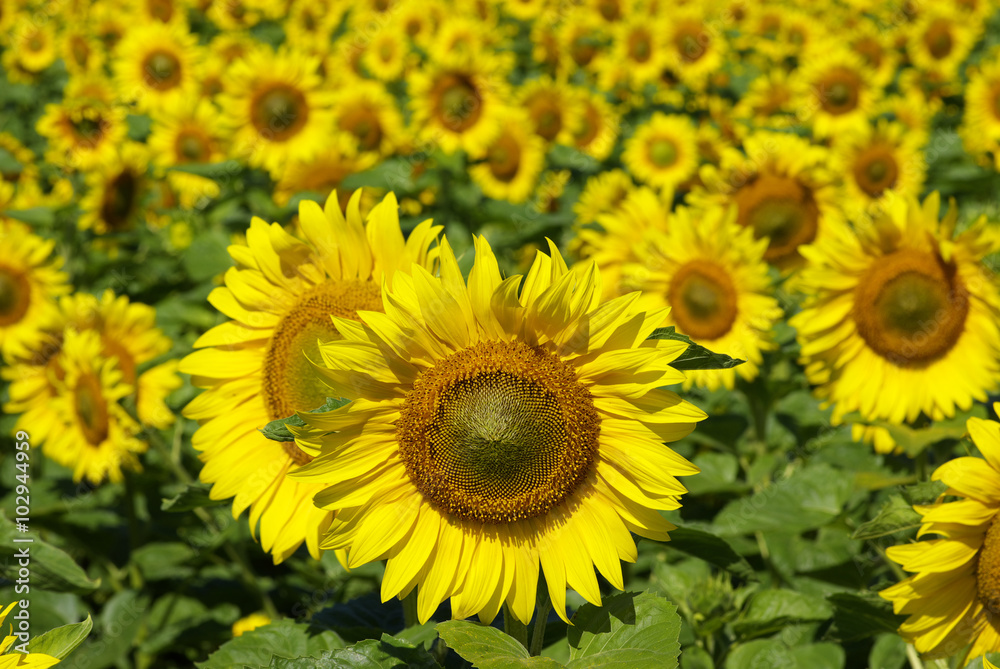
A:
542	608
410	617
514	627
922	465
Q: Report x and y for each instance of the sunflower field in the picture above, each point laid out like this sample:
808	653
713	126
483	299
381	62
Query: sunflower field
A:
499	334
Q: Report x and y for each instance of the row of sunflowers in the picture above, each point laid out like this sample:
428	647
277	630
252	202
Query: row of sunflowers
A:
444	297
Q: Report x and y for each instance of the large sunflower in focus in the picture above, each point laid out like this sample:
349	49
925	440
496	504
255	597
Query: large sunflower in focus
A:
30	281
498	433
711	273
903	318
953	598
277	108
256	367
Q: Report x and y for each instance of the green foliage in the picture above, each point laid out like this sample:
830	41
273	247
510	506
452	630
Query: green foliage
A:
277	430
696	356
61	641
281	639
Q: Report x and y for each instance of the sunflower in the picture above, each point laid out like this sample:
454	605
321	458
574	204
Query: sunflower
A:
768	101
902	318
869	41
697	49
711	273
602	194
115	192
941	40
639	46
18	660
952	599
385	56
277	108
615	241
883	158
510	166
33	48
662	152
782	189
460	105
980	129
598	125
18	162
835	91
322	174
461	38
310	25
81	51
187	131
914	111
583	36
91	432
368	112
155	62
127	333
505	433
256	367
83	134
30	281
552	108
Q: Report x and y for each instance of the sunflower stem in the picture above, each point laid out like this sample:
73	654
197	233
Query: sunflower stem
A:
514	627
410	609
911	655
542	607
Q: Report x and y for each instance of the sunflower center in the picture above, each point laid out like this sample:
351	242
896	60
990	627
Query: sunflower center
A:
583	48
781	209
875	171
363	123
192	147
839	92
15	296
458	103
498	432
163	70
91	409
703	300
988	570
609	9
690	46
80	50
119	201
663	152
910	307
641	48
88	130
280	112
938	39
504	158
290	381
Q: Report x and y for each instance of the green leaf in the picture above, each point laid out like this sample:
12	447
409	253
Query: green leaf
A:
43	216
386	653
118	625
61	641
809	498
279	639
51	568
774	653
192	497
770	611
634	631
896	515
888	652
218	171
696	356
161	560
487	647
395	174
277	430
924	493
711	549
977	662
856	617
913	441
207	256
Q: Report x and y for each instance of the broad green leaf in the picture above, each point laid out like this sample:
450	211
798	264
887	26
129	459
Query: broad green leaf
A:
696	356
888	652
696	657
117	626
207	256
717	475
489	648
924	493
977	662
809	498
857	617
277	430
161	560
712	549
227	169
770	611
193	496
633	631
51	568
61	641
279	639
896	515
42	216
396	174
385	653
774	653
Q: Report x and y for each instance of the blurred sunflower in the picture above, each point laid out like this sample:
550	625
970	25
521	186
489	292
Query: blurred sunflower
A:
598	126
768	101
115	192
187	131
461	105
385	56
510	166
902	318
368	112
782	188
552	108
696	50
549	378
941	40
835	91
91	433
323	173
980	128
155	62
277	108
257	368
602	194
16	659
882	157
952	599
638	45
662	153
711	273
33	48
30	282
583	36
82	134
81	51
